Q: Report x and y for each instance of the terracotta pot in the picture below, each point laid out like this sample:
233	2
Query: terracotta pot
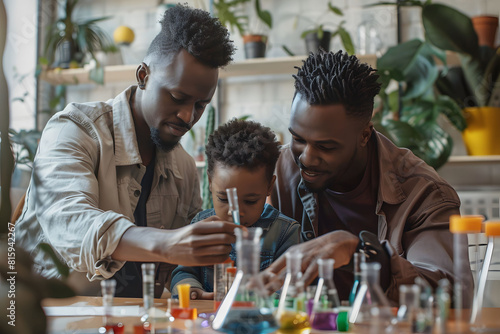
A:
486	29
481	135
255	46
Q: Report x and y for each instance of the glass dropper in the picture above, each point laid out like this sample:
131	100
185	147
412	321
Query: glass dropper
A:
234	210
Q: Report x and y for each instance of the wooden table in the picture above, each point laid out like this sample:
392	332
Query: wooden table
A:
90	324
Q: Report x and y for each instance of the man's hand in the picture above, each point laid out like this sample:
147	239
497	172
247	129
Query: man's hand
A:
338	245
197	293
204	243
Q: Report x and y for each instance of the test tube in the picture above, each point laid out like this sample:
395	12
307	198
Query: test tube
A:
108	292
460	226
220	281
148	284
232	198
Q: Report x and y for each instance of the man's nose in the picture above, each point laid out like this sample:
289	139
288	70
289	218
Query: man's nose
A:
187	114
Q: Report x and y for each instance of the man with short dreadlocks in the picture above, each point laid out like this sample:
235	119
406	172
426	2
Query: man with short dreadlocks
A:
352	189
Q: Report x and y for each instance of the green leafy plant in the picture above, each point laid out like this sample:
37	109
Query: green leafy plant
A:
409	116
234	15
338	30
477	81
69	40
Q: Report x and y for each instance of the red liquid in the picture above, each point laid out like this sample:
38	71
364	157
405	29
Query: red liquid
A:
117	328
217	304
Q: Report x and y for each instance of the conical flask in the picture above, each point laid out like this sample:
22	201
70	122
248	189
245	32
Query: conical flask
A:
292	306
485	317
246	307
371	311
326	300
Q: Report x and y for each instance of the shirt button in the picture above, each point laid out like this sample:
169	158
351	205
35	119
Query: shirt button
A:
137	193
309	235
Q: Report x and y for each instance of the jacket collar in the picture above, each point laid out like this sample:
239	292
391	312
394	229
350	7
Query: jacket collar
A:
125	137
390	158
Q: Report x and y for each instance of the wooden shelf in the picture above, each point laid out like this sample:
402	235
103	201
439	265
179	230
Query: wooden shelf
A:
126	73
469	159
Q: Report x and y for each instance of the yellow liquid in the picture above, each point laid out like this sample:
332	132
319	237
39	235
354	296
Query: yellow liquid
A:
183	290
292	322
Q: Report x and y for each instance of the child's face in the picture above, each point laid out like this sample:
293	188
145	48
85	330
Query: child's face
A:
252	187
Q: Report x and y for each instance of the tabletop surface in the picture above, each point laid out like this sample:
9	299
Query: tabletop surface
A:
80	315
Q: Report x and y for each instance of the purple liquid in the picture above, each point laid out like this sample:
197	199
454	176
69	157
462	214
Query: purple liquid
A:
324	321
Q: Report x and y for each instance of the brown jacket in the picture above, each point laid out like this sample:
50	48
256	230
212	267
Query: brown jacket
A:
413	208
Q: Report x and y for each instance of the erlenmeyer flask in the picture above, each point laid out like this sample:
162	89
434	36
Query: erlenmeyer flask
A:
326	300
486	306
371	312
246	308
292	309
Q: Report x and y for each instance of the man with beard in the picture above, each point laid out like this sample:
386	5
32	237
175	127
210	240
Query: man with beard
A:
353	189
112	187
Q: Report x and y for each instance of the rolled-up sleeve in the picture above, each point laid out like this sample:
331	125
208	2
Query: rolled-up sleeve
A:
67	192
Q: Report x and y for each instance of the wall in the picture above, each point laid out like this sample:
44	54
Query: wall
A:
267	98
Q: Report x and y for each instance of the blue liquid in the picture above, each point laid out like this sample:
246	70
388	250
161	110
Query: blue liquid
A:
236	216
249	321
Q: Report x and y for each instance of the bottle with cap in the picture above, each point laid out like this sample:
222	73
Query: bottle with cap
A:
460	226
485	316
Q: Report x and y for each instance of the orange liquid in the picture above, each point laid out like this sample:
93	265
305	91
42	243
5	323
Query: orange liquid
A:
243	304
184	313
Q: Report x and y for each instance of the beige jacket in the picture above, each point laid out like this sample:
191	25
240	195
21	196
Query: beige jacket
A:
413	208
85	186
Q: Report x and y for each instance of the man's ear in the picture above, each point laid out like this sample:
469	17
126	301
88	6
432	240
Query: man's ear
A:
366	133
142	75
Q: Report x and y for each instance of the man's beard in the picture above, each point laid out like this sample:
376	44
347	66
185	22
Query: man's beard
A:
161	144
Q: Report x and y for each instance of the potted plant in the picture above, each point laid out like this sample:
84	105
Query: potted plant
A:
70	41
475	85
410	116
318	36
251	21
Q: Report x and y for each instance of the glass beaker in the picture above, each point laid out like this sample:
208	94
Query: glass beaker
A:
371	311
358	258
485	317
292	306
246	308
409	304
460	226
325	309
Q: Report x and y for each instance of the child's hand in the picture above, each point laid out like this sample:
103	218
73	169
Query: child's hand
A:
197	293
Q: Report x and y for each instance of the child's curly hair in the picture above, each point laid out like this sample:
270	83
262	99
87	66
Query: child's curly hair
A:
244	144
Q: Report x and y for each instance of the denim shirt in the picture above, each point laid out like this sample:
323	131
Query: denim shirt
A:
279	233
85	187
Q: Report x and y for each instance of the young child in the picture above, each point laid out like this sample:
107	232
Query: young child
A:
241	154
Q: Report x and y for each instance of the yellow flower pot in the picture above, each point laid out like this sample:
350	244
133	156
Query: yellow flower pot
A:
481	137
